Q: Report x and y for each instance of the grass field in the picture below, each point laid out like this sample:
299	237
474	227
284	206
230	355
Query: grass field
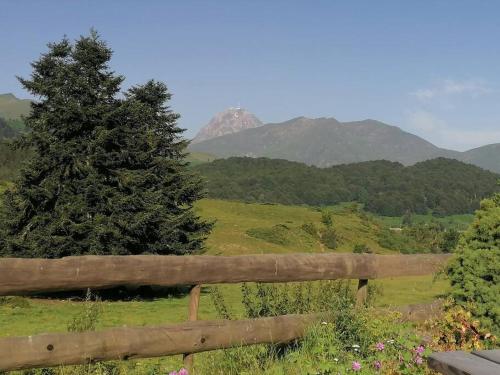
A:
28	316
234	219
196	158
229	237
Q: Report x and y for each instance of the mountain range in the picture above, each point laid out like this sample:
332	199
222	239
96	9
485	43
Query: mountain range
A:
324	142
12	108
321	142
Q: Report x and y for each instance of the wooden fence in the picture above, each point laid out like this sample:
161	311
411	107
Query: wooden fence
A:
27	276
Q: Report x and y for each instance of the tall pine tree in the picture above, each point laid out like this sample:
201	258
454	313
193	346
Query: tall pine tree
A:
108	174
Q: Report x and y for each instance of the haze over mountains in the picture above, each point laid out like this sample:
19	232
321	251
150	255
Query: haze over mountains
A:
325	142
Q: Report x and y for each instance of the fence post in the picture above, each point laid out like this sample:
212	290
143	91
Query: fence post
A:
362	292
194	302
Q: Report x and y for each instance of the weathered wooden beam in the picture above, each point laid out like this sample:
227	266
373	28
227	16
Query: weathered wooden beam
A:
129	343
362	293
22	276
462	363
194	303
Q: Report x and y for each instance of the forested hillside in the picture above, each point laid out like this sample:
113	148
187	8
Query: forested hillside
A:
6	131
441	186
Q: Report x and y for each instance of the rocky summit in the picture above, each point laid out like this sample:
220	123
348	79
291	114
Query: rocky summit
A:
230	121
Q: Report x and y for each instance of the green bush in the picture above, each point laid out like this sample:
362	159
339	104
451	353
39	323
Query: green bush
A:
475	270
326	218
329	238
361	248
310	228
346	336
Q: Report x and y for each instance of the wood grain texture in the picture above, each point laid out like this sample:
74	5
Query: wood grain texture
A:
462	363
490	355
24	276
129	343
362	293
194	303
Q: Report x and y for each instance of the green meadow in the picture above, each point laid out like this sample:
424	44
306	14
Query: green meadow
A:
233	220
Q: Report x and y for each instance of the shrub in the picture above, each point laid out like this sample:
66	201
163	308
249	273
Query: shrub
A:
326	218
361	248
329	238
475	270
310	228
457	330
88	318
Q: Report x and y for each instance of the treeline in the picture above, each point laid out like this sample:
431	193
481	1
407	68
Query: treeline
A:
440	186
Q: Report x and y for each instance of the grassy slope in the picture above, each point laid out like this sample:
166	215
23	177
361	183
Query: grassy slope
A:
197	158
12	107
235	218
228	238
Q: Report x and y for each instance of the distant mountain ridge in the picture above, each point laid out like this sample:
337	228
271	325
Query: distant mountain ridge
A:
12	108
230	121
325	142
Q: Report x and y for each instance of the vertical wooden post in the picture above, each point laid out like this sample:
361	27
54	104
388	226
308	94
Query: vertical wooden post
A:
362	293
194	303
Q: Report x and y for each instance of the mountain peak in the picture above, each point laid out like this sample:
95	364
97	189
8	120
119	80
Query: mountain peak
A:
229	121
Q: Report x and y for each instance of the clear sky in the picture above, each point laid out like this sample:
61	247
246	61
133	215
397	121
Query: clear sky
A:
430	67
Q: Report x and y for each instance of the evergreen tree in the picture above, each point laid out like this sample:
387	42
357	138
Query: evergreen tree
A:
475	270
108	174
407	219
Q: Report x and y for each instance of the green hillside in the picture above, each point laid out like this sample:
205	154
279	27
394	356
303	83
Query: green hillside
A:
12	108
196	158
324	142
230	237
487	157
441	186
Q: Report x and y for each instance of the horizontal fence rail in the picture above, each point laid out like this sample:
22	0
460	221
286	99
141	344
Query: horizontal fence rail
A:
17	353
47	350
24	276
30	276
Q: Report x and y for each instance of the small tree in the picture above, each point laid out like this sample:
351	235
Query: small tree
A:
108	174
407	219
326	218
475	270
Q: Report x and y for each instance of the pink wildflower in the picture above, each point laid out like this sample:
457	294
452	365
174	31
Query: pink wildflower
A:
183	371
356	366
418	360
173	373
377	365
380	346
420	350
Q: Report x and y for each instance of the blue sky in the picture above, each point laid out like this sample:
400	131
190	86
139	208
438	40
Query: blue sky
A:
430	67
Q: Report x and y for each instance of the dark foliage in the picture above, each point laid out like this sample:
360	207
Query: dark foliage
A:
6	131
431	237
10	160
441	186
108	174
475	271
